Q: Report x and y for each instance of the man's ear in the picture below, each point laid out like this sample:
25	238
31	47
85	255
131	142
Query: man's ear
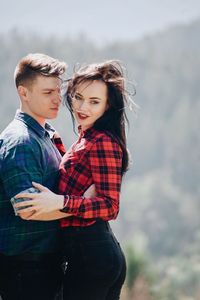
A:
23	92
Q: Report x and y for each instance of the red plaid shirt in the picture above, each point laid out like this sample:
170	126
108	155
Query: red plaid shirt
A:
58	143
96	158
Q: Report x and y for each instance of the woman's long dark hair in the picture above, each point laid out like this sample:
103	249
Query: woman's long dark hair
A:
114	119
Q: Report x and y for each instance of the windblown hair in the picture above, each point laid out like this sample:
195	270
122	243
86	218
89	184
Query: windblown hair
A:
33	65
114	118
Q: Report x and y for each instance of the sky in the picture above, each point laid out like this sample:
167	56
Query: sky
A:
101	21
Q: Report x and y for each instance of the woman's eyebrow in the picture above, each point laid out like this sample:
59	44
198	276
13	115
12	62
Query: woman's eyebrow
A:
93	98
79	94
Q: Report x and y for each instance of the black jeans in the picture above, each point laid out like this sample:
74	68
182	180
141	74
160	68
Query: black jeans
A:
30	277
96	267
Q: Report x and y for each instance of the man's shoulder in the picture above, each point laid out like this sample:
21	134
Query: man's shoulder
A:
17	133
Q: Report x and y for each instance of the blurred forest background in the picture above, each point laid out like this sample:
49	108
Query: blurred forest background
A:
159	223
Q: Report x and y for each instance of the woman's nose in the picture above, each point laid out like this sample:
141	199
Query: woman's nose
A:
83	106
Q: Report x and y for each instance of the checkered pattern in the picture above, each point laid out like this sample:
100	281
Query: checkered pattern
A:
96	158
56	139
26	154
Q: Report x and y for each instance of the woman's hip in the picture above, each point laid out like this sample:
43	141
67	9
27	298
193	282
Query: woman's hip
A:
94	249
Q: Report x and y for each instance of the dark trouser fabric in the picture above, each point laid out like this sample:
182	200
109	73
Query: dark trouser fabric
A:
24	279
96	267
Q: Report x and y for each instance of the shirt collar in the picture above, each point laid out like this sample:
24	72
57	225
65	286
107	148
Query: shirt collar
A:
31	122
86	133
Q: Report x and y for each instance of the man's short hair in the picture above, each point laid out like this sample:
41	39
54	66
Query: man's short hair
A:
33	65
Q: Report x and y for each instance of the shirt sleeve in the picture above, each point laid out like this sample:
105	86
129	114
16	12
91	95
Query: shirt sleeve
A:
21	165
105	159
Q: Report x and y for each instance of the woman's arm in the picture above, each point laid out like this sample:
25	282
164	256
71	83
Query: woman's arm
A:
46	205
43	217
105	161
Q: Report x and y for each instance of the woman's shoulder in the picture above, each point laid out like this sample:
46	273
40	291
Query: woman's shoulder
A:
103	135
106	138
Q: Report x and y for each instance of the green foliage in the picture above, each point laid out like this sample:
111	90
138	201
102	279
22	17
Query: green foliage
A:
135	263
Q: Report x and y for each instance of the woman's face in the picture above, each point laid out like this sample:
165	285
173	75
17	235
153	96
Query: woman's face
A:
89	102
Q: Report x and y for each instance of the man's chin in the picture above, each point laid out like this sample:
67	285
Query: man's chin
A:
53	116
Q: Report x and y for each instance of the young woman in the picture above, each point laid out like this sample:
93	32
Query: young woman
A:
96	267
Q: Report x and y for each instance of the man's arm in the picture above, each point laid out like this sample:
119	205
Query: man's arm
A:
20	166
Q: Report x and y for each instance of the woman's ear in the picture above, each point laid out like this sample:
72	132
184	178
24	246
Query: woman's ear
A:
107	106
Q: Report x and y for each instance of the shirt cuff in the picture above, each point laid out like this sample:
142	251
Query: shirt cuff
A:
65	202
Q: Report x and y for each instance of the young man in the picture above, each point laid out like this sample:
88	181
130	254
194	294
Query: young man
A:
29	250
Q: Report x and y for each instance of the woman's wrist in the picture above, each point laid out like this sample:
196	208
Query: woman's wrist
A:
60	202
65	202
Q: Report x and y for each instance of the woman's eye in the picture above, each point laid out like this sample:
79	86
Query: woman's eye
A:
94	102
77	97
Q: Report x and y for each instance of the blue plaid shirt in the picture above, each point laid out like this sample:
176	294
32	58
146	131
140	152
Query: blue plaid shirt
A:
27	153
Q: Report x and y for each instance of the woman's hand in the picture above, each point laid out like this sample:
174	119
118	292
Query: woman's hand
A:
43	217
41	203
25	216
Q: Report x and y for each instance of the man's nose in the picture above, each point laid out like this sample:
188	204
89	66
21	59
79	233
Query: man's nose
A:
57	97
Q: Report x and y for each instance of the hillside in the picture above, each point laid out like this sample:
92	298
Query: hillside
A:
160	195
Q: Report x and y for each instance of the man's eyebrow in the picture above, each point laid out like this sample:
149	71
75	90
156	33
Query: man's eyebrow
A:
49	89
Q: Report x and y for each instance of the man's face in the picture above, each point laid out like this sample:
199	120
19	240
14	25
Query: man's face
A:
43	98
